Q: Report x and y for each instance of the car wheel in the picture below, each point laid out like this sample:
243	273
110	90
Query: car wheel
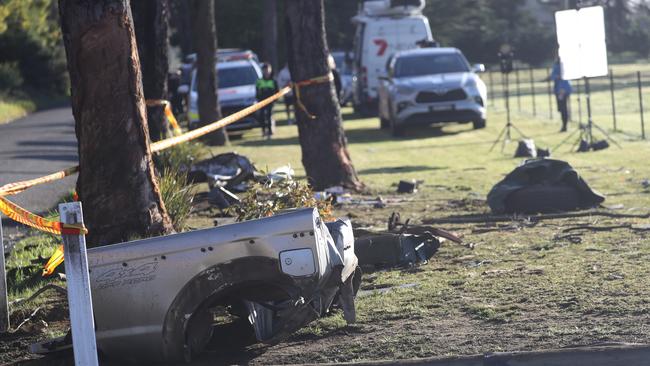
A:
479	123
384	123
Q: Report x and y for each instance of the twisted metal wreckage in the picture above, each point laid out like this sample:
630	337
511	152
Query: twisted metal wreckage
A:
166	298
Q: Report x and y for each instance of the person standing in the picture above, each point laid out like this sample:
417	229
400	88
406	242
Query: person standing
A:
284	79
562	90
264	88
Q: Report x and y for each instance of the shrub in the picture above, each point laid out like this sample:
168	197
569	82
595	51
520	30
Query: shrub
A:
263	200
177	195
10	77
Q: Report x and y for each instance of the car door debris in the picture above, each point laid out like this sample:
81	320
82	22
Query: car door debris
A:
168	298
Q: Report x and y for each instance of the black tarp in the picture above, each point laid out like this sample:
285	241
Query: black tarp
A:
540	186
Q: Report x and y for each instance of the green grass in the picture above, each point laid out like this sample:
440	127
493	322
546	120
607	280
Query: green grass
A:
520	288
12	108
626	97
20	103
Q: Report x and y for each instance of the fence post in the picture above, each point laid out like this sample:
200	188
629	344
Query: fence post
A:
550	100
4	301
611	90
79	295
532	90
518	89
638	78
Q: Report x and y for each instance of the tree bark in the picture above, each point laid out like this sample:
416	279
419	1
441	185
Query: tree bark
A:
116	180
324	145
151	19
205	39
270	33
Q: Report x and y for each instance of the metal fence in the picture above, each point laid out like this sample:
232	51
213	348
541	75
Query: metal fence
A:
617	100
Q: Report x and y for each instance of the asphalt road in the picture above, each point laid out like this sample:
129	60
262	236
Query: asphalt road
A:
37	145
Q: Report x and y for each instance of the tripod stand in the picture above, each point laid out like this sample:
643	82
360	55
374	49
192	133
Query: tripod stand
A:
506	133
586	138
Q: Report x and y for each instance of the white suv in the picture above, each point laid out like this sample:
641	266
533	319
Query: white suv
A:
431	86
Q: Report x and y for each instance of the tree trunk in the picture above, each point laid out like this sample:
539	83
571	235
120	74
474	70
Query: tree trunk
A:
270	33
116	180
205	39
324	145
151	31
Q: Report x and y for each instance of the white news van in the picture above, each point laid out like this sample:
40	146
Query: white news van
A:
383	27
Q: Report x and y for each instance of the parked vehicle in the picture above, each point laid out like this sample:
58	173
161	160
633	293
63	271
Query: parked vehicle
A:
382	28
343	61
236	91
189	65
431	86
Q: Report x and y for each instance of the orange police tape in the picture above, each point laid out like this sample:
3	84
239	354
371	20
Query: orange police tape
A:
168	113
23	216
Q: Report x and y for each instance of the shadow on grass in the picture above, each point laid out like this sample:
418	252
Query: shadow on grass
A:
400	169
366	135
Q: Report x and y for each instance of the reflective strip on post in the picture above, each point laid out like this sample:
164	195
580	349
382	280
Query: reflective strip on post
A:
79	295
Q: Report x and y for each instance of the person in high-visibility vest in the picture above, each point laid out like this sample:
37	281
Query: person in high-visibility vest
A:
266	87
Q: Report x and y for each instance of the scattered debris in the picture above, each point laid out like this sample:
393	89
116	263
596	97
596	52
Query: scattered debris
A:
40	291
480	219
408	186
229	170
383	290
402	245
542	186
526	149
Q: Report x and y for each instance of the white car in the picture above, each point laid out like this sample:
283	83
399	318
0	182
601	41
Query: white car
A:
236	91
431	86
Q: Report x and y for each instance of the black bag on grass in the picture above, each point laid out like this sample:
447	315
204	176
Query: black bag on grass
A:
542	186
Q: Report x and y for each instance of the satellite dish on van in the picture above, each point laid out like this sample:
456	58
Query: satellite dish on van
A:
392	7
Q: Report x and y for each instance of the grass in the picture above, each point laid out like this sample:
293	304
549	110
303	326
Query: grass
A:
522	287
20	103
12	108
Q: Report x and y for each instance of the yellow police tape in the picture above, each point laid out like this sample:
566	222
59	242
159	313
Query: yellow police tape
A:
19	214
23	216
168	113
55	260
202	131
313	81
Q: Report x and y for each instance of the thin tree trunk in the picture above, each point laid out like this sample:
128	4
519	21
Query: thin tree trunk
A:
324	145
205	39
270	33
151	30
116	181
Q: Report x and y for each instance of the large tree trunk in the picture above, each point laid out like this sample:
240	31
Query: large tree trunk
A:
151	30
116	180
270	33
205	39
324	145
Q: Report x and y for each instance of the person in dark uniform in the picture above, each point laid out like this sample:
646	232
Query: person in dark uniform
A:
562	90
264	88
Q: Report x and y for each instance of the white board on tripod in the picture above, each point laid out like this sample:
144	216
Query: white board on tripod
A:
581	38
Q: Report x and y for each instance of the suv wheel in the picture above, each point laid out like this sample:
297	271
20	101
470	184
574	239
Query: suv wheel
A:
396	130
479	123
